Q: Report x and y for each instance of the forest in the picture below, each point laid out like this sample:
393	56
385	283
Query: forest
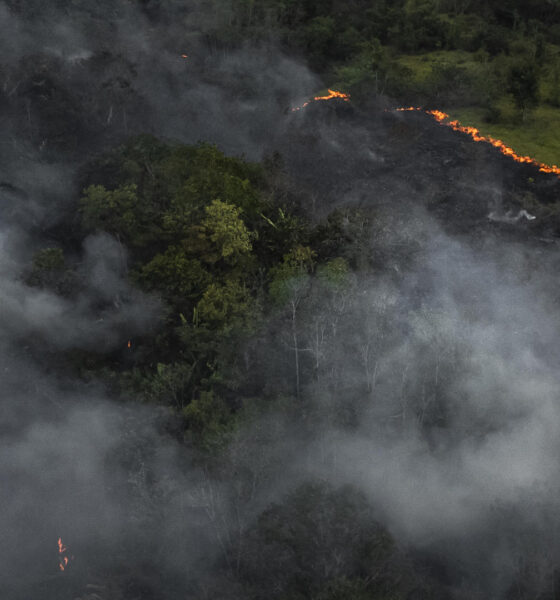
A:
265	340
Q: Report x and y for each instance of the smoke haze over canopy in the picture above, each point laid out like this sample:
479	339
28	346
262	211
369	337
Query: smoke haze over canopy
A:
479	318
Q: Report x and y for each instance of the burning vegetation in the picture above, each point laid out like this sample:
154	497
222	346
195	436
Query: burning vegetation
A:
474	133
330	96
444	119
63	558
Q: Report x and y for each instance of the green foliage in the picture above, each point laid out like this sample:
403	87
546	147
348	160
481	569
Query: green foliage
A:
210	235
225	306
367	73
318	37
160	192
49	260
523	84
382	47
49	271
170	384
422	26
175	275
334	274
318	542
553	87
292	276
120	212
208	421
227	233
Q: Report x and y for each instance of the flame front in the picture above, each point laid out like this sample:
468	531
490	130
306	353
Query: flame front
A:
330	96
443	119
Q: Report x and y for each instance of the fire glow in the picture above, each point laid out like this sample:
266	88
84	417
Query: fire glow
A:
443	119
330	96
474	133
63	559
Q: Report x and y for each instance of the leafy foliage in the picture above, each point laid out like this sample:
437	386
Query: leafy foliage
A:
49	270
323	543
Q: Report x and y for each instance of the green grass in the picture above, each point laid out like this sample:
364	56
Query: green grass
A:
538	136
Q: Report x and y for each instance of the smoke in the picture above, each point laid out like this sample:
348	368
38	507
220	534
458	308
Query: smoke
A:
109	480
509	218
457	443
437	388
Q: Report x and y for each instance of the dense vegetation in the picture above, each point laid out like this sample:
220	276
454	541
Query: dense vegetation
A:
435	51
501	59
226	246
236	263
280	327
261	308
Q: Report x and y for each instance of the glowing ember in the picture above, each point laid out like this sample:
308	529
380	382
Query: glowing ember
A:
443	119
129	345
184	56
63	560
330	96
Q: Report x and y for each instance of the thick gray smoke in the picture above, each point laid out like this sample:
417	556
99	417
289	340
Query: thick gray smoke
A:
73	465
478	352
457	340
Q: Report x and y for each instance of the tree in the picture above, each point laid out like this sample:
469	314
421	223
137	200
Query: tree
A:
226	306
121	212
208	420
175	274
304	547
330	290
290	283
318	37
49	271
523	85
367	74
223	233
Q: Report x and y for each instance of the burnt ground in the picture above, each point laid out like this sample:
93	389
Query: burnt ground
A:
401	159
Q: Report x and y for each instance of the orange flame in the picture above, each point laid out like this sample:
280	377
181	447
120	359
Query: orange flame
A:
62	560
443	119
332	94
129	345
475	134
184	56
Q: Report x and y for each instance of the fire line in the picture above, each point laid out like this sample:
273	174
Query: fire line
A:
330	96
443	119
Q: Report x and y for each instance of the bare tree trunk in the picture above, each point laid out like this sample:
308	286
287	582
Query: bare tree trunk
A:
296	347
